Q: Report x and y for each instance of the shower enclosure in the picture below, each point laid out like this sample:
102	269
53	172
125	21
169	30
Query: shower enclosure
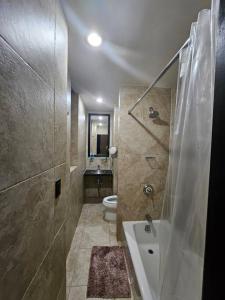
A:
192	222
183	223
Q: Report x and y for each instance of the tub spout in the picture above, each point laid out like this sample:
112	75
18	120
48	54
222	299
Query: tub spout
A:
149	220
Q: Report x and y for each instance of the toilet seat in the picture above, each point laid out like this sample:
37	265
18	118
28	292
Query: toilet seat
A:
110	201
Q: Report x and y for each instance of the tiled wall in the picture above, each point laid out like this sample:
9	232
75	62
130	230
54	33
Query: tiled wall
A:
135	143
78	110
76	154
74	128
81	136
33	135
115	143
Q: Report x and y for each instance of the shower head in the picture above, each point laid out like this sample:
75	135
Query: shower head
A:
153	114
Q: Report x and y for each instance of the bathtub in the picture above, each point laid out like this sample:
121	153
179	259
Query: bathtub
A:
144	250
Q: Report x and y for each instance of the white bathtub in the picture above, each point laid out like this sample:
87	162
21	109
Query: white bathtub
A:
146	265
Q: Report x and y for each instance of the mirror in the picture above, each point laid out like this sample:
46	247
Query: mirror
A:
98	135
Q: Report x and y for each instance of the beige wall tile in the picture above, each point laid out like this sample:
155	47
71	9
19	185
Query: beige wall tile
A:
26	114
60	129
60	203
78	156
136	142
62	291
51	275
33	115
60	79
26	221
30	35
74	128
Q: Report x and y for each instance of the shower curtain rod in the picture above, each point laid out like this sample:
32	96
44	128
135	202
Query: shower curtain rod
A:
164	70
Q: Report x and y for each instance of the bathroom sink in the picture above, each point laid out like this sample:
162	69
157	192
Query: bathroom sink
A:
97	172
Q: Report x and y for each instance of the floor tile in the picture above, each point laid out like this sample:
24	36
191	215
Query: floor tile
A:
69	276
91	231
112	235
78	293
67	292
96	235
70	262
81	268
77	237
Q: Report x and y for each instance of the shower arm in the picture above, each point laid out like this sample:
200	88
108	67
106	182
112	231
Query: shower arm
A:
164	70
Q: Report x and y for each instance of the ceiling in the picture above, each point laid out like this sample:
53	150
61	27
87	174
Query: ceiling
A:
139	38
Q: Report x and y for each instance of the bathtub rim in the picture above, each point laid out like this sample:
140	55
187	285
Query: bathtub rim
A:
128	227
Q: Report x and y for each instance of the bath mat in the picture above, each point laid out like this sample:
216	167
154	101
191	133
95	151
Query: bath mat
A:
108	276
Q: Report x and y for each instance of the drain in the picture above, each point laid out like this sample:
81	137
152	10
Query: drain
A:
150	251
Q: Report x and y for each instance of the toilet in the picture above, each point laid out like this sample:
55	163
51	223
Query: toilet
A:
110	204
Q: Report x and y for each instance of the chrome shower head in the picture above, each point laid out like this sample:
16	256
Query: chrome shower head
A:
153	114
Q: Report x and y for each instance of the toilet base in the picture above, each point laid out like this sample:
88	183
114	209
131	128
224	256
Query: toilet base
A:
110	215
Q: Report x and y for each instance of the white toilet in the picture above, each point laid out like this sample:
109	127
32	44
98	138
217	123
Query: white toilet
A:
110	204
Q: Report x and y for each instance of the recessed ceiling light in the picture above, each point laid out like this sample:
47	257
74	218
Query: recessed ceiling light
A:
99	100
100	124
100	118
94	39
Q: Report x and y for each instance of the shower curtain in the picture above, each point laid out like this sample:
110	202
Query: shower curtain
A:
183	221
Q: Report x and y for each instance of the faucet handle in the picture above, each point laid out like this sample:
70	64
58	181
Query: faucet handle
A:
148	189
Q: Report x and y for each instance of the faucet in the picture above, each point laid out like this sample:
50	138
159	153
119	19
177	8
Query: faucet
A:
149	225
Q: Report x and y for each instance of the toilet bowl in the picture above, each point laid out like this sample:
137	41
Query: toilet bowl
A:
110	204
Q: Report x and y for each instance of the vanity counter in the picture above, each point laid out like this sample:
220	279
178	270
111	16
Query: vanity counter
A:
98	173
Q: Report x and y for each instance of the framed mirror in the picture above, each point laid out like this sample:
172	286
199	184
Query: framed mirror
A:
98	135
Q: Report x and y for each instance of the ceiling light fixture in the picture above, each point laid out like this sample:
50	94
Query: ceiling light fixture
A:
94	39
100	118
100	124
99	100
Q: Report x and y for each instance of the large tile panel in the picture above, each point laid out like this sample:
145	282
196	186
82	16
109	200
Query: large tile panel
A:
60	137
60	72
29	26
26	222
73	209
60	203
50	278
62	291
61	51
26	120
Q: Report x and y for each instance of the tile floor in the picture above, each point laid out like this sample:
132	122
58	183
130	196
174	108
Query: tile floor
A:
91	231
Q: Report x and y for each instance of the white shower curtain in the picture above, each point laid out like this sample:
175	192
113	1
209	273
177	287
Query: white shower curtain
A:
183	222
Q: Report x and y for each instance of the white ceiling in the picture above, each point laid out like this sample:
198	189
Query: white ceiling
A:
139	38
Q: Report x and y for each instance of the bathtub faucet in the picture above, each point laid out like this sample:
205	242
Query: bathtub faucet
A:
149	220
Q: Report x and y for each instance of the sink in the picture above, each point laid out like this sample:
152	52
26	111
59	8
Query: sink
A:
97	172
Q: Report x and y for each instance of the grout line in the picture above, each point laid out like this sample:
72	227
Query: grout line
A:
46	254
25	180
31	68
31	177
54	93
